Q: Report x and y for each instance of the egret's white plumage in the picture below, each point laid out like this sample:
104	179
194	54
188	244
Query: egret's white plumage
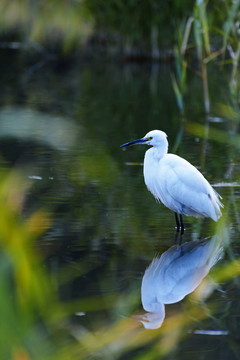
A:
175	182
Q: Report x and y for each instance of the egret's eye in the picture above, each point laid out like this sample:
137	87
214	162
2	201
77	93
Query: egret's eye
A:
150	138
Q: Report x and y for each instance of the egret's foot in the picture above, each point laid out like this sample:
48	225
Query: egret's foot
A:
181	222
180	225
180	229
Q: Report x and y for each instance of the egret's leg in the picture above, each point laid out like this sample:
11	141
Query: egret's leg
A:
177	221
182	225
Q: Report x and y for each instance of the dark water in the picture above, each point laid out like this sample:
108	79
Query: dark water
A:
62	126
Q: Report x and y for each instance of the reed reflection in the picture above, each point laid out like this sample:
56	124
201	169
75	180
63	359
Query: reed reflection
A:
175	274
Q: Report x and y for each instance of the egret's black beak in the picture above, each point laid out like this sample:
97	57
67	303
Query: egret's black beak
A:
139	141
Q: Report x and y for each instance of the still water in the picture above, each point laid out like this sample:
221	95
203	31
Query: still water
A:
109	249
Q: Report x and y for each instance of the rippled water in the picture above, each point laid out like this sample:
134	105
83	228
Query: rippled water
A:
62	127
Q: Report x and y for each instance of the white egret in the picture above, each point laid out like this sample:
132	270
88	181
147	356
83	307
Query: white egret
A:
175	182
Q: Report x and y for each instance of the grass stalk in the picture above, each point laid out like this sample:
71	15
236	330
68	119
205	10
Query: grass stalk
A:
201	33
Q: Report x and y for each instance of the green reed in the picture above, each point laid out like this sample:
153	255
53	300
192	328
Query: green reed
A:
179	81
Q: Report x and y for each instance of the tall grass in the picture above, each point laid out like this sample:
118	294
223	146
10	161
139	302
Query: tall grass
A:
204	41
179	82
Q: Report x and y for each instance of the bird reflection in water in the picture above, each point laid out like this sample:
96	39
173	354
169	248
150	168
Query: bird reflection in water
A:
173	275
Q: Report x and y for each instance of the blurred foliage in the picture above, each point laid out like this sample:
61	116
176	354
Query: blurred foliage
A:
133	28
53	23
134	23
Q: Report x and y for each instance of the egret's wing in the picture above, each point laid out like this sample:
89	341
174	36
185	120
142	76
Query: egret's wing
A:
187	188
186	174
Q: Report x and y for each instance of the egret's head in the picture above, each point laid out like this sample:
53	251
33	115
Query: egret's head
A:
153	137
156	138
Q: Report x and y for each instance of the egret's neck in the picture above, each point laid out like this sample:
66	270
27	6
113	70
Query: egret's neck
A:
157	152
151	167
